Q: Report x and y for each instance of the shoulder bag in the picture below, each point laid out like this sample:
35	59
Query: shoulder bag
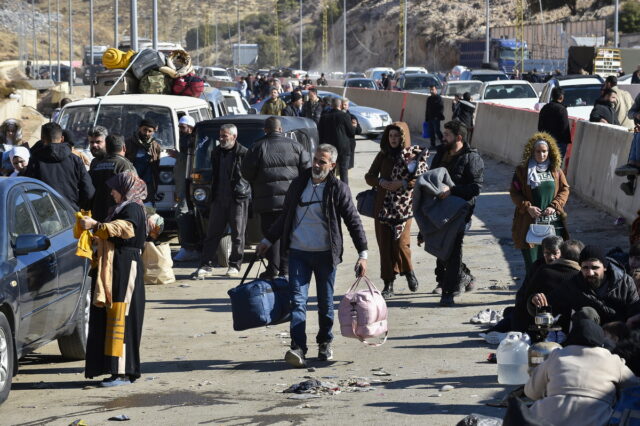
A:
541	229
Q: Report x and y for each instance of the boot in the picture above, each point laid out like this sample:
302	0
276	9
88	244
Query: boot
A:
412	281
387	292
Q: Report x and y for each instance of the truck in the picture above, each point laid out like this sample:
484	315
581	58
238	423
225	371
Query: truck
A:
502	52
89	71
603	61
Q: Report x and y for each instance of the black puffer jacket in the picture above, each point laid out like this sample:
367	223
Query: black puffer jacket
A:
270	166
620	302
337	206
55	165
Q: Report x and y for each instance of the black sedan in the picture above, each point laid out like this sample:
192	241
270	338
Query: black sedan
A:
43	290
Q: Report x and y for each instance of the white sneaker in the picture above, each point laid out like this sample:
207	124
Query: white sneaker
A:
232	272
202	272
185	255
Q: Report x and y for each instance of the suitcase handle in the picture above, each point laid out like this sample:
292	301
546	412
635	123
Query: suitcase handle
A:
246	273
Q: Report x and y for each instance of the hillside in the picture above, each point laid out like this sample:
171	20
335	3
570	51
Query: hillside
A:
372	33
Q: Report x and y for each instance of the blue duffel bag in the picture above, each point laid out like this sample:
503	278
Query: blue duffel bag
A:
259	302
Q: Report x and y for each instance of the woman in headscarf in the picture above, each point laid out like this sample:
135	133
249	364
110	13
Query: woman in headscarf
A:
393	174
539	190
118	298
11	133
19	157
577	385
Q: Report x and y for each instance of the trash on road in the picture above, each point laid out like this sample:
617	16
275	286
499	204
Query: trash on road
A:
480	420
119	418
446	388
316	387
487	316
79	422
304	396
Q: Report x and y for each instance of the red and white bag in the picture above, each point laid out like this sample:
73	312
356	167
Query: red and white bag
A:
363	314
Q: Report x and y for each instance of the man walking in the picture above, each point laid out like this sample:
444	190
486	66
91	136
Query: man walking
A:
274	105
230	194
143	151
309	229
357	131
466	168
270	166
554	119
336	128
313	107
433	115
55	165
104	168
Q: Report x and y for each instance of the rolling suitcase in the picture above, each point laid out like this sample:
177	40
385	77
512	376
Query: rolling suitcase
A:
145	61
106	79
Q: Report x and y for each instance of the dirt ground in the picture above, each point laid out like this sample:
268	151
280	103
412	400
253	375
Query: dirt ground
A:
197	370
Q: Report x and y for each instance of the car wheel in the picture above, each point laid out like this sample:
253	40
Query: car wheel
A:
74	345
6	358
224	251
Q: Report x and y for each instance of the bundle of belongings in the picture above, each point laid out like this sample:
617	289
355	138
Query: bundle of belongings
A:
148	71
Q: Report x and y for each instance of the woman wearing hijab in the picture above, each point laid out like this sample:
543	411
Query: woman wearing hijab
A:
564	394
10	136
19	157
393	173
117	309
539	190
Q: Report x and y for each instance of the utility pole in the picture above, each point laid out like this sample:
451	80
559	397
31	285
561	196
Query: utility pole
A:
70	47
404	43
486	34
236	64
91	37
277	36
616	35
215	16
58	37
133	31
115	23
300	34
34	61
344	38
154	24
49	39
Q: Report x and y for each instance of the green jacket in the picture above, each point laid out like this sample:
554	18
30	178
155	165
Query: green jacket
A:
272	107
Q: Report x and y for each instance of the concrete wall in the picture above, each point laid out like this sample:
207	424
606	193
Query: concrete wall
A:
9	108
28	98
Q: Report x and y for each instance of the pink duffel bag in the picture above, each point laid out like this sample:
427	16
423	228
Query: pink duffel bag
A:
363	314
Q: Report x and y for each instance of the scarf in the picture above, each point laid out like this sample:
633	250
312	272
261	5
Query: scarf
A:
144	144
131	187
533	168
397	206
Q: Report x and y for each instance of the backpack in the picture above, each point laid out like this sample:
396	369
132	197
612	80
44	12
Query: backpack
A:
153	83
363	314
189	85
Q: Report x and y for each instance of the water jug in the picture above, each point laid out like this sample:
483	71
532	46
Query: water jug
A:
513	360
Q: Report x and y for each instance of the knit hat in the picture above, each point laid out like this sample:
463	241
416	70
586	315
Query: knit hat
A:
148	123
188	120
295	96
593	253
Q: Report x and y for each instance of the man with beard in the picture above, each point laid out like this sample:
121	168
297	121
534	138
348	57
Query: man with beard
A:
109	161
309	229
230	194
602	284
603	111
143	151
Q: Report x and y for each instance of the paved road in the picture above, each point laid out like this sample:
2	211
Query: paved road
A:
197	370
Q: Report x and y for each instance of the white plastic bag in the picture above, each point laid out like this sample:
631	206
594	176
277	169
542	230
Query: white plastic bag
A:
158	265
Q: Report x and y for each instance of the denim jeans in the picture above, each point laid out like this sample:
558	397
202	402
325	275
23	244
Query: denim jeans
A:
435	135
301	265
634	152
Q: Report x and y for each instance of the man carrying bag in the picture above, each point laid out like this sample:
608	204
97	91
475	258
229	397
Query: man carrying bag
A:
310	229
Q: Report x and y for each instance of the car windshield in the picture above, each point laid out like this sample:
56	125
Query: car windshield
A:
507	54
509	91
361	83
207	138
460	89
118	119
377	75
585	95
420	82
220	73
489	77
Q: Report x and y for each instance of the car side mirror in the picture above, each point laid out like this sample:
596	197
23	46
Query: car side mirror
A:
252	111
29	243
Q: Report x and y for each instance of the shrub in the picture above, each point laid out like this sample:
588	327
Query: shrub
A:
630	17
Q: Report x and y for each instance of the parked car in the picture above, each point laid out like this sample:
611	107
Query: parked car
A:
483	75
214	74
410	70
457	87
580	93
513	93
353	74
372	120
376	73
44	294
361	83
250	129
234	101
417	83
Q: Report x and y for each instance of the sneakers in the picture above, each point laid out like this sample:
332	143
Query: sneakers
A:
488	316
295	358
232	272
114	381
202	272
185	255
627	188
627	170
446	300
325	353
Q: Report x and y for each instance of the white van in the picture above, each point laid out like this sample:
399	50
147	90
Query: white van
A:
214	74
121	114
376	73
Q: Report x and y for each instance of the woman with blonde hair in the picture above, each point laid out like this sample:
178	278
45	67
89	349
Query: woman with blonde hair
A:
539	190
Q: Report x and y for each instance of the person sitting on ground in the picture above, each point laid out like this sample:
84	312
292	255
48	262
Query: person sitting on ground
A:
603	111
602	284
564	394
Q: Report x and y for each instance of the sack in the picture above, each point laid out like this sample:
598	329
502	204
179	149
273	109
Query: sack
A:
154	83
366	201
259	302
158	265
627	410
363	314
189	85
114	58
539	231
145	61
105	80
426	131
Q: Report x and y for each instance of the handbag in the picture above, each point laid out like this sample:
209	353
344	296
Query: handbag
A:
259	302
365	202
539	231
363	314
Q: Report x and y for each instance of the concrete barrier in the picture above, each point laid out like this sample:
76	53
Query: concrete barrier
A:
28	98
9	108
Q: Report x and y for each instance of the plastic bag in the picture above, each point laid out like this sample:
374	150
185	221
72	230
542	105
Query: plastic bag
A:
158	265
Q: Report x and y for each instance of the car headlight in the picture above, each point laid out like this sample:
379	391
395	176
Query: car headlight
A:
166	177
199	194
368	115
385	117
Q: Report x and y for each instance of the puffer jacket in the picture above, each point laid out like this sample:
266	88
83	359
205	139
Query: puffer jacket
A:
270	166
55	165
